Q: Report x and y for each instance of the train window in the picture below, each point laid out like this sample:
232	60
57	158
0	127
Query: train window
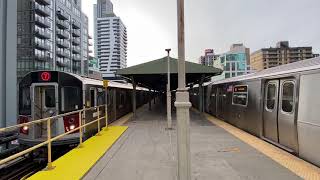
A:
240	95
122	99
50	97
271	95
92	98
69	103
239	99
287	96
109	96
101	98
26	101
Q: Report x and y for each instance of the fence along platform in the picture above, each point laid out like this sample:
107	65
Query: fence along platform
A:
76	163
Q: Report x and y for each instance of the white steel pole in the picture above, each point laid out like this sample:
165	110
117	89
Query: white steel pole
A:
182	104
169	119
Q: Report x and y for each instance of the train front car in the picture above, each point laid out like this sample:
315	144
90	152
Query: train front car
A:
45	94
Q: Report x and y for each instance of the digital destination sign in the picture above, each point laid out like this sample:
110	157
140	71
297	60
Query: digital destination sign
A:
240	89
45	76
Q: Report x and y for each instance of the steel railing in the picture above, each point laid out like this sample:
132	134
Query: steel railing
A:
50	139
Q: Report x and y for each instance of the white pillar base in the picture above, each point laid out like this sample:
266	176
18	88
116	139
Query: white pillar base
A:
169	118
183	134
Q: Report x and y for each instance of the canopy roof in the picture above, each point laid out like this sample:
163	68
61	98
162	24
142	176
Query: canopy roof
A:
154	73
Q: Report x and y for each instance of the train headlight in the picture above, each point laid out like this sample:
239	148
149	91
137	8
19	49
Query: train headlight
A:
72	127
71	122
25	128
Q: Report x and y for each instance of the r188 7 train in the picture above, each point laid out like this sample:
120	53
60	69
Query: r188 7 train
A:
280	105
44	94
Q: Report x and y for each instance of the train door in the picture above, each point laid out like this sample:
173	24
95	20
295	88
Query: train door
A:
286	114
213	100
44	105
279	112
45	100
220	102
270	113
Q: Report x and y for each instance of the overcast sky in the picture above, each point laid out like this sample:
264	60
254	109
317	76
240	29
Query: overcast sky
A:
215	24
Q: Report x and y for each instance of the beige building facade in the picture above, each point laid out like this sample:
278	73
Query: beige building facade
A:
281	54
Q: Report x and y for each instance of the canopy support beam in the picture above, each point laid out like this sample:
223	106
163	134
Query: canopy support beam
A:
201	91
134	98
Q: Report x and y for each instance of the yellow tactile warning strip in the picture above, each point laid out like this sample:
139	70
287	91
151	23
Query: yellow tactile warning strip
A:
76	163
298	166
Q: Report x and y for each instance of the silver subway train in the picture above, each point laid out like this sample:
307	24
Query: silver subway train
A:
44	94
280	105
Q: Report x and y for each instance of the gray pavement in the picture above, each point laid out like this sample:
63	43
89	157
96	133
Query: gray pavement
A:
147	151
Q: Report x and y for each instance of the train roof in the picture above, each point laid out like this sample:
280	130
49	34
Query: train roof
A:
304	65
84	80
90	81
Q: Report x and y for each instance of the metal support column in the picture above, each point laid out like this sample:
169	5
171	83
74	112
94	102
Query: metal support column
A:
169	119
134	98
201	103
182	103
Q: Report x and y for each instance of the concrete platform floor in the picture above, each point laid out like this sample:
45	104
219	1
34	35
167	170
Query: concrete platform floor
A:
147	151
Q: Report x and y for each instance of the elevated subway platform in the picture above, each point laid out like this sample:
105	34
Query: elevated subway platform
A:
148	151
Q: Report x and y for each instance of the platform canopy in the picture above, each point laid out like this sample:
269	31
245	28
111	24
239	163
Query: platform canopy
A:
153	74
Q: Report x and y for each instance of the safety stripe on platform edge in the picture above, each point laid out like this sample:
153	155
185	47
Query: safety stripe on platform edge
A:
76	163
296	165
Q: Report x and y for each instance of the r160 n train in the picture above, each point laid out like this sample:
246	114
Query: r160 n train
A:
280	105
44	94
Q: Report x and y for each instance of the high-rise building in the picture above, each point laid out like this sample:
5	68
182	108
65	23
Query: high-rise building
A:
52	35
281	54
8	63
110	39
233	63
208	58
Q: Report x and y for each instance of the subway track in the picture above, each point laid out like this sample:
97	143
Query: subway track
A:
27	165
24	166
